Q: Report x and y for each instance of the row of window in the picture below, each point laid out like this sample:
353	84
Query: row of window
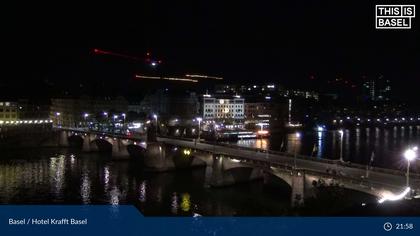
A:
8	116
7	110
223	105
214	100
5	104
223	111
223	116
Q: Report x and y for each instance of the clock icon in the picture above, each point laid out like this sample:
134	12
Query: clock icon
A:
387	226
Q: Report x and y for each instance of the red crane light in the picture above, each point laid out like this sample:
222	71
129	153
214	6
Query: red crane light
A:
147	59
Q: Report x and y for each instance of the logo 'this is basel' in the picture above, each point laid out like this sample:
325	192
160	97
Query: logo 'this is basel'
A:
394	16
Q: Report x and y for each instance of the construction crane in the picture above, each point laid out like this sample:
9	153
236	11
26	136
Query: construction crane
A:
148	59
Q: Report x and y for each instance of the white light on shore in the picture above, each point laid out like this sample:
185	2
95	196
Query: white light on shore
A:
392	197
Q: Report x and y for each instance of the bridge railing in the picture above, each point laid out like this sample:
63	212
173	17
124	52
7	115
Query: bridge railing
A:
308	158
286	154
113	135
327	161
361	182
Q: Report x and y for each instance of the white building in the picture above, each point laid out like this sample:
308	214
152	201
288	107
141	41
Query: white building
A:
223	108
8	111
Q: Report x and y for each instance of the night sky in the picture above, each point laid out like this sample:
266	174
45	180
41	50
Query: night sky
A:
51	48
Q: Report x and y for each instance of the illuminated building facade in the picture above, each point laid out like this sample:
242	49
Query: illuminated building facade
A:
223	108
8	111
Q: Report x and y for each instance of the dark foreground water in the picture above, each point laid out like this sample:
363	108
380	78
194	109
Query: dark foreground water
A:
66	176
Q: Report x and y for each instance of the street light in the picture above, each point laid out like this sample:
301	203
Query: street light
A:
199	119
123	124
57	114
320	128
410	154
85	115
156	120
297	136
341	132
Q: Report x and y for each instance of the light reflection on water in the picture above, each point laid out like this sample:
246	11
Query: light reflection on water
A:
258	143
69	177
174	204
57	172
114	196
142	195
106	176
319	149
388	144
185	202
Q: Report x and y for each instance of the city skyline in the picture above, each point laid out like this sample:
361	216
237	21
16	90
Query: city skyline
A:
290	45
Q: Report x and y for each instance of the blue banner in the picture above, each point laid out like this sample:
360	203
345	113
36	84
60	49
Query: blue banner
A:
127	220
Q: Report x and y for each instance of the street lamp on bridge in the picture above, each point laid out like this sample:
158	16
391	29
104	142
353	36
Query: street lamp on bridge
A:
156	122
57	114
297	136
85	116
410	154
199	119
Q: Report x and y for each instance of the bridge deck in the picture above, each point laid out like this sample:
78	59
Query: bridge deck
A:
380	177
377	176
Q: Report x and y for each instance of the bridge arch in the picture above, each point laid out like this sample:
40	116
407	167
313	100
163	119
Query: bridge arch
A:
227	171
103	144
75	140
136	150
284	177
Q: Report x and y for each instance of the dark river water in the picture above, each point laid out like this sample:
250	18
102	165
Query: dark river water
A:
386	144
68	176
